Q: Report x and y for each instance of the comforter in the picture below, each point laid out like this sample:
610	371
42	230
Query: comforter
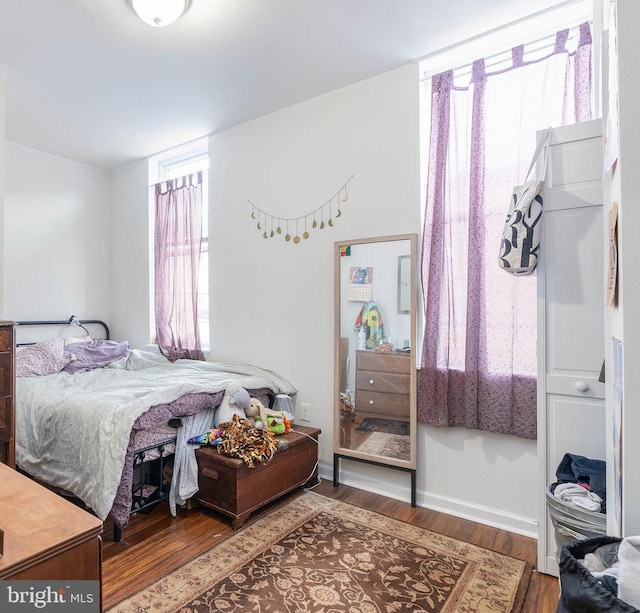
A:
72	430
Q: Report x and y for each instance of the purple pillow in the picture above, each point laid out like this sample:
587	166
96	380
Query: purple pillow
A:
94	354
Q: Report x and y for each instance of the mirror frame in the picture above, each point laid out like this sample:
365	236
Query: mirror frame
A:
344	451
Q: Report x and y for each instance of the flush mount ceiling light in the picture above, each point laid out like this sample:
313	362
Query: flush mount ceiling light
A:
159	13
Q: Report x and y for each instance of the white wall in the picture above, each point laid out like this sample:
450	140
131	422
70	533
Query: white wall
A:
272	301
129	251
56	237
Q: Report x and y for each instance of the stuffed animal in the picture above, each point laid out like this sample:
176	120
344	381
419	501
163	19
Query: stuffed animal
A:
276	422
253	411
259	415
235	401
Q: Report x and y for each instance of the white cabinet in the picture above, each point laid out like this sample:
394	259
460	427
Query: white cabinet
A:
571	299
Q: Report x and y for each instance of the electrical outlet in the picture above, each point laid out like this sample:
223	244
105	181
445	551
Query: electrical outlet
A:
305	411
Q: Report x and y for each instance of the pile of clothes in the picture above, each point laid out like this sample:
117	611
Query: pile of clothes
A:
600	574
239	438
617	567
582	482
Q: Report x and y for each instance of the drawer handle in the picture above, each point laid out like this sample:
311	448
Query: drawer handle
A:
371	381
581	386
210	472
370	401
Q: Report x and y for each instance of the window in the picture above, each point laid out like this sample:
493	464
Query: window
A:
478	358
175	163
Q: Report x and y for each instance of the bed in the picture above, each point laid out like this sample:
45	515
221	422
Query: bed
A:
113	430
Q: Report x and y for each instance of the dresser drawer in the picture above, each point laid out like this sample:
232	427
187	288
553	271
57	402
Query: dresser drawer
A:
6	374
390	405
6	338
5	418
384	362
388	383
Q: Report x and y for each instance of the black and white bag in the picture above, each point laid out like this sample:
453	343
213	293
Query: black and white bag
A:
520	242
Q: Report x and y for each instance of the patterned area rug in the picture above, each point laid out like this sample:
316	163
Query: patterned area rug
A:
387	445
318	554
388	426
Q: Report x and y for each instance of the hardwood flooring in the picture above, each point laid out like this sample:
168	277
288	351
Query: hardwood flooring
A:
155	544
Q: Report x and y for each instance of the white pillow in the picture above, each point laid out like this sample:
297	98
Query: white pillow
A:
43	358
77	339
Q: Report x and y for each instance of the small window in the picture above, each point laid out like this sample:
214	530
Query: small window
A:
173	164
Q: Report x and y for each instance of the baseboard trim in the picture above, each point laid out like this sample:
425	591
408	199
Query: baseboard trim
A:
397	489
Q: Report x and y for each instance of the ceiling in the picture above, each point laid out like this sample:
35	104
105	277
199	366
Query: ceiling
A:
89	81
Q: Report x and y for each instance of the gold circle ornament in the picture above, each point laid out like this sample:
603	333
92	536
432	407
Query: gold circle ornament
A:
296	239
305	235
287	237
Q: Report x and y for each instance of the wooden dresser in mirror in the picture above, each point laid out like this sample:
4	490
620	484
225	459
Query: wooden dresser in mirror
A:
374	334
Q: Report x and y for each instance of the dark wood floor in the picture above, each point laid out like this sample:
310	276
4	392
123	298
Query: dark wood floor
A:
157	543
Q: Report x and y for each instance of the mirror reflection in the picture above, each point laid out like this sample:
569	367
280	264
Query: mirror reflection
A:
375	316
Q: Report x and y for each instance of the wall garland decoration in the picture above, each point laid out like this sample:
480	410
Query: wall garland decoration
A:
273	225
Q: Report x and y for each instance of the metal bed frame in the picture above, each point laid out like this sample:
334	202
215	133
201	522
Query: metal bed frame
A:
148	487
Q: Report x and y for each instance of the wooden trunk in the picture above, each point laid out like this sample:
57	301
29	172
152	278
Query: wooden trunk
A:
229	486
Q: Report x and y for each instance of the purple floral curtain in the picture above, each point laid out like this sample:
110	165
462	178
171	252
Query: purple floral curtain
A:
177	244
478	365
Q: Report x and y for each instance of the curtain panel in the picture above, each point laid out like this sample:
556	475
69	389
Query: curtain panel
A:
478	367
177	247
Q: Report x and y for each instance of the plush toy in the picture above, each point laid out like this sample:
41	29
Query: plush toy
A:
259	415
235	401
276	422
253	411
346	407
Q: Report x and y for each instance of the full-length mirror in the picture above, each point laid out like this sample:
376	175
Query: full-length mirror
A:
375	332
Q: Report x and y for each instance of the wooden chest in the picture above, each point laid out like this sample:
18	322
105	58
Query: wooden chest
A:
229	486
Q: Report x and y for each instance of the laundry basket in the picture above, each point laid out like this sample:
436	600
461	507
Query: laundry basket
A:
572	523
580	591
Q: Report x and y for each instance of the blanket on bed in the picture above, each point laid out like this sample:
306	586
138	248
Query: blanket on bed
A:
72	430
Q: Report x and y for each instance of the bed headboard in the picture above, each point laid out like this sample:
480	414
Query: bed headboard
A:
30	332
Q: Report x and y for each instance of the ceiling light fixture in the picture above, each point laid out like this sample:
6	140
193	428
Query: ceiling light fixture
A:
159	13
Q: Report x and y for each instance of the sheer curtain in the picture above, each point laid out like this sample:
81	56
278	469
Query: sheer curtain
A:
177	246
478	365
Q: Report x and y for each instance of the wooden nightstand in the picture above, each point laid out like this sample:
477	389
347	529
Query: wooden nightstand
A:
229	486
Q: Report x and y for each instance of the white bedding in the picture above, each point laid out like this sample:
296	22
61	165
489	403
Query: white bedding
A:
72	430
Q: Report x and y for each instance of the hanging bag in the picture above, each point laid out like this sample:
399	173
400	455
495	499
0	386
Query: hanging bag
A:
520	242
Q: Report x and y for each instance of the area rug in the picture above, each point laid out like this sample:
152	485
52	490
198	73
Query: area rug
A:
319	554
387	445
389	426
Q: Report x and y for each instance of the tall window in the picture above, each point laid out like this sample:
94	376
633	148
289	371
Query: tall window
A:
479	349
181	166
